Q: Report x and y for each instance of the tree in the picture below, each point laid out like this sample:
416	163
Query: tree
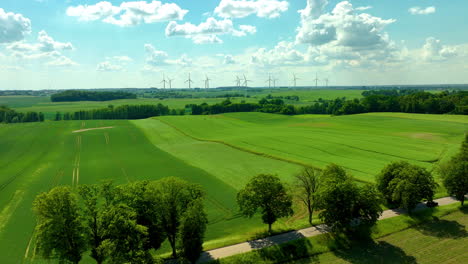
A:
308	183
125	238
59	227
93	210
175	197
266	193
192	231
405	185
455	173
346	207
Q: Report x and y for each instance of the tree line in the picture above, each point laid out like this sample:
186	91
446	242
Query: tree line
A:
78	95
406	101
119	112
121	224
8	115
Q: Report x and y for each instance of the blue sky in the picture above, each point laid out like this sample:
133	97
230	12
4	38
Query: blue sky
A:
96	44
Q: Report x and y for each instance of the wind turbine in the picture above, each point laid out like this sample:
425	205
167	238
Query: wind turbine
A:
238	81
316	80
295	79
207	82
164	81
169	80
189	81
246	82
274	82
326	82
269	81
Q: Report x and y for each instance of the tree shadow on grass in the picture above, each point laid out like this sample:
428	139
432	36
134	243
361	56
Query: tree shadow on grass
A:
374	252
442	228
294	250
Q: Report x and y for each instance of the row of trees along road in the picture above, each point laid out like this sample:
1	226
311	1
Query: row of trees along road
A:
8	115
121	224
346	207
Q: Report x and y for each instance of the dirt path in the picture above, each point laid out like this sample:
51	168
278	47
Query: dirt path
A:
293	235
89	129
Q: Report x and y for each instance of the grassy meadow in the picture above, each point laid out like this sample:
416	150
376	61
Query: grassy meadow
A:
363	144
219	152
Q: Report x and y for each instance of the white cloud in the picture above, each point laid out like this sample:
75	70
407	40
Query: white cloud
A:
128	13
422	11
243	8
13	27
211	27
62	61
115	63
45	43
433	50
282	54
107	66
156	58
229	59
206	39
314	9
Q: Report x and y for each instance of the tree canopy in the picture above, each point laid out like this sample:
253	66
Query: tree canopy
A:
79	95
405	185
455	173
265	193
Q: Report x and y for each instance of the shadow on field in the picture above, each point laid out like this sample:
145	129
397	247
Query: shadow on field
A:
442	228
286	252
373	252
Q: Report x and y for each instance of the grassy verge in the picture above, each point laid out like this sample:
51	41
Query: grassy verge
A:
307	250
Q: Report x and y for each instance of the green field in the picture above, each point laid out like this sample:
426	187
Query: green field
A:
219	152
444	240
44	105
363	144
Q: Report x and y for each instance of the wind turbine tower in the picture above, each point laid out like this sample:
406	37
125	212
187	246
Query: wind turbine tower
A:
246	82
207	82
169	80
189	81
269	81
274	82
316	80
295	79
326	82
164	81
238	81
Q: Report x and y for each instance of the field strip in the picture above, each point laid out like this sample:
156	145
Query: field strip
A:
89	129
8	210
236	147
257	244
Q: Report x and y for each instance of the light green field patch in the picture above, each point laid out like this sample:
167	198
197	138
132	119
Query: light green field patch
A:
10	208
232	166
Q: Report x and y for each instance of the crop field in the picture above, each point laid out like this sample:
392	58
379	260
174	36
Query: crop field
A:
44	105
219	152
363	144
444	240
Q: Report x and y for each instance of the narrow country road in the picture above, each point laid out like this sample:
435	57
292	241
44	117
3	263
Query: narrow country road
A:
296	234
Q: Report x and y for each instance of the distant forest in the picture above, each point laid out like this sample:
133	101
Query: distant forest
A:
8	115
74	96
406	101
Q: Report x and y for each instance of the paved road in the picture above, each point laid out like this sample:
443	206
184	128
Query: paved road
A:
293	235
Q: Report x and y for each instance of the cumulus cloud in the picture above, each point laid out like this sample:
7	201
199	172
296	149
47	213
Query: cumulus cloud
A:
128	13
314	9
433	50
228	59
211	27
282	54
45	43
115	63
62	61
345	27
422	11
156	58
244	8
13	27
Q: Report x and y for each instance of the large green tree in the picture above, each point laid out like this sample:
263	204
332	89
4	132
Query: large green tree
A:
308	182
192	231
59	225
346	207
175	198
455	173
405	185
267	194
